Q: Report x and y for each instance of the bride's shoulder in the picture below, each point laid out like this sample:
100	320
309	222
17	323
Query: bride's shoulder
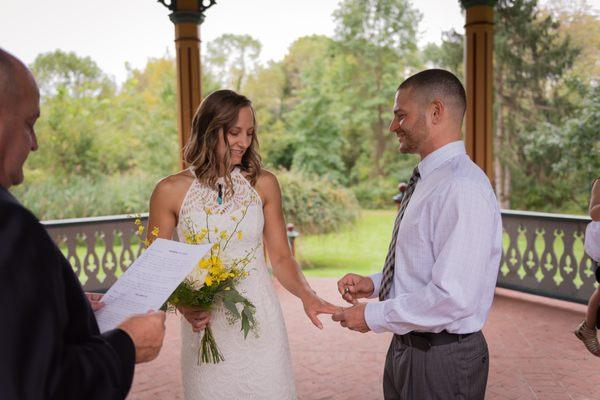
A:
267	180
267	186
175	184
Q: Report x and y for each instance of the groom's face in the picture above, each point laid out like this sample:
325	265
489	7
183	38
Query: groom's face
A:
409	122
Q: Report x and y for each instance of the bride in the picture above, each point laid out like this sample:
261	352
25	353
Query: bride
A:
224	186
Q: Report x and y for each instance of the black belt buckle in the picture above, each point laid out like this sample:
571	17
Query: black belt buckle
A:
417	341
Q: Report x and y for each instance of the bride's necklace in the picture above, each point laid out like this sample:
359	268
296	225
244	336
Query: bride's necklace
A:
220	196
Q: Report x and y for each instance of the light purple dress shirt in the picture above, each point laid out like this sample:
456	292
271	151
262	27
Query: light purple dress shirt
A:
447	252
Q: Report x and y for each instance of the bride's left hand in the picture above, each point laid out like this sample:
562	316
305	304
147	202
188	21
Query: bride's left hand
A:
314	305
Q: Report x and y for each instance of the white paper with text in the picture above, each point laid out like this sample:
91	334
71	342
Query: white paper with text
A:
149	281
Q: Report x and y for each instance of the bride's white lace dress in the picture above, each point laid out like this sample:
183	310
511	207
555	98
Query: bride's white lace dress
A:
258	367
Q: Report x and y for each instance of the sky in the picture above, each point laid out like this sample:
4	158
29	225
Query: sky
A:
113	32
116	32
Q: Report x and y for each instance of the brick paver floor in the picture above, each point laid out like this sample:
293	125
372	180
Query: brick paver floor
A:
533	354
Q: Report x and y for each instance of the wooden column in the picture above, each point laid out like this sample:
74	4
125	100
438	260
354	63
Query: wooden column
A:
479	46
187	15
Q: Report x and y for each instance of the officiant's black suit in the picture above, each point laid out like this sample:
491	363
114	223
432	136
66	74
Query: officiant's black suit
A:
50	346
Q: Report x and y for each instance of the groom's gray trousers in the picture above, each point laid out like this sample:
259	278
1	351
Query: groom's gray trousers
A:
436	367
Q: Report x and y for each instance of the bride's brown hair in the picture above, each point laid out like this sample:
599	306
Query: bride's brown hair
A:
218	113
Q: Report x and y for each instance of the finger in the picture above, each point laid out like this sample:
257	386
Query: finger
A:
161	316
338	316
341	286
315	320
348	297
328	308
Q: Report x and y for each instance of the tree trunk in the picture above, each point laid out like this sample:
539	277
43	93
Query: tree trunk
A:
501	172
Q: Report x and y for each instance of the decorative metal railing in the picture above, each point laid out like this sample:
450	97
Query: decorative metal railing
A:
542	253
99	248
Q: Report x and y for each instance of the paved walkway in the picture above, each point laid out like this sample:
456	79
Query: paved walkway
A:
533	354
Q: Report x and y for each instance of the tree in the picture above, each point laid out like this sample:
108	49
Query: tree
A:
75	103
449	54
77	76
233	57
376	47
531	61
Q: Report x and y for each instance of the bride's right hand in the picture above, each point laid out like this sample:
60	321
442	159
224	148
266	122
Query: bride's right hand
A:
197	317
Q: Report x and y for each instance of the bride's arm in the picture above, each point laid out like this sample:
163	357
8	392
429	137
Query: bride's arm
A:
164	208
285	266
162	214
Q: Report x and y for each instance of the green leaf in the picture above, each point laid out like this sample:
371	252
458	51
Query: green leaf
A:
232	308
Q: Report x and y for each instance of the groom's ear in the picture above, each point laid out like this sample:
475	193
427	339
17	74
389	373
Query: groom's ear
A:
436	111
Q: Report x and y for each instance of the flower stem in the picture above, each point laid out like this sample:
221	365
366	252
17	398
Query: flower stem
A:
208	352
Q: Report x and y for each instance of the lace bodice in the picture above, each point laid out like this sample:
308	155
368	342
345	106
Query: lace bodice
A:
240	212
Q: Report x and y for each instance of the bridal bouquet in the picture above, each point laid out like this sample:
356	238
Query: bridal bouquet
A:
214	280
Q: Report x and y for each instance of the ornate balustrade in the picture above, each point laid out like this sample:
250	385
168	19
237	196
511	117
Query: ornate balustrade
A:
542	253
100	248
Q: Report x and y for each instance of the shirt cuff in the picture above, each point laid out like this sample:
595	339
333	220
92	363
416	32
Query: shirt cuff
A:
376	278
375	317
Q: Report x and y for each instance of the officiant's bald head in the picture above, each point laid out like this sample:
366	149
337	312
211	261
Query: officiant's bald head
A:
19	110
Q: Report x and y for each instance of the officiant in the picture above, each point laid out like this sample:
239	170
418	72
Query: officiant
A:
50	345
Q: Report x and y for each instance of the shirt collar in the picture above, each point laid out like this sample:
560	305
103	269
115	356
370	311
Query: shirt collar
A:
434	160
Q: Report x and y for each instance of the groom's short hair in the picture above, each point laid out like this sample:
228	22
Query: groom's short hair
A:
432	83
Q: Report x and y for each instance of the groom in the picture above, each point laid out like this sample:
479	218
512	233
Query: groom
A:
438	280
50	346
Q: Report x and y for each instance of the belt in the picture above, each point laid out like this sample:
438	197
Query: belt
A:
425	340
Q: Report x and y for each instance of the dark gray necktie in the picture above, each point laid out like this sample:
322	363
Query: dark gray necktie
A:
390	260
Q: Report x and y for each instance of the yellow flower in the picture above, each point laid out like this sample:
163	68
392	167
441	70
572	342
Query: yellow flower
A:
138	221
223	235
208	280
140	230
146	242
155	231
240	235
208	211
234	218
204	264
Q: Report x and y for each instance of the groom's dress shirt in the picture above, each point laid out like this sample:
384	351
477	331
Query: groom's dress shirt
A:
50	346
447	252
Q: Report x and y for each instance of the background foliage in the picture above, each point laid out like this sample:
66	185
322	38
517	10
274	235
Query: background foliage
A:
323	112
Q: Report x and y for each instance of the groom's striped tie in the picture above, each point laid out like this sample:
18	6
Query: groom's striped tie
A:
390	260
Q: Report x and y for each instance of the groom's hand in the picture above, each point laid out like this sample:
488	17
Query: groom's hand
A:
353	318
353	287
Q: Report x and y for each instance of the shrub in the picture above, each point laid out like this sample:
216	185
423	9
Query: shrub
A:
316	205
376	193
79	197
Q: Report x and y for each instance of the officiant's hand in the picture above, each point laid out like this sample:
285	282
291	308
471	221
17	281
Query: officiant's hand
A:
353	287
353	318
95	300
147	332
197	317
314	305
